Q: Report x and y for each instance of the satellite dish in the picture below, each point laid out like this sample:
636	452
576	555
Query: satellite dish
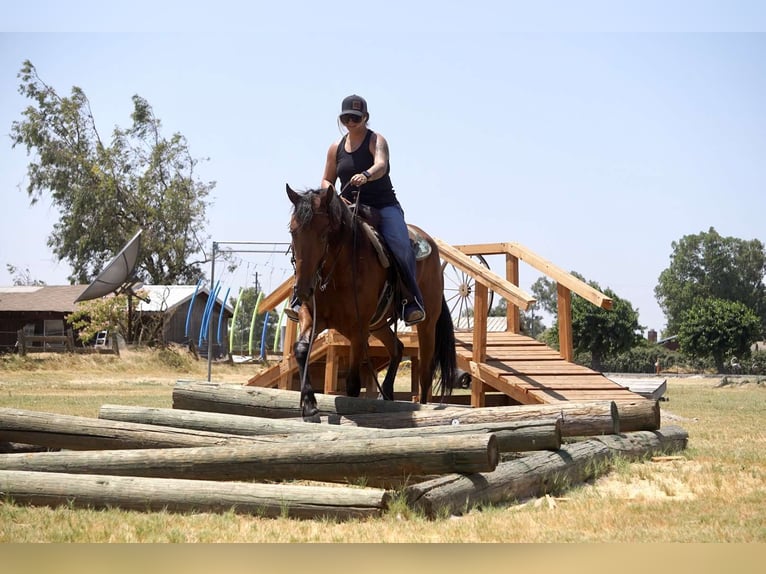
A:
117	277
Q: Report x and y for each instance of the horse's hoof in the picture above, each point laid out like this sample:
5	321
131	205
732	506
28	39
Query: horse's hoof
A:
310	414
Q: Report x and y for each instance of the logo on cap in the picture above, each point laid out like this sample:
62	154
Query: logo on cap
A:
356	105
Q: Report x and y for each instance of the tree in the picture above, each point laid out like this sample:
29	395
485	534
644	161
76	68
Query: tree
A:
247	326
718	328
22	276
102	314
106	191
597	332
707	265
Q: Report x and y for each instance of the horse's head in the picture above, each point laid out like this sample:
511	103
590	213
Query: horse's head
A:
316	218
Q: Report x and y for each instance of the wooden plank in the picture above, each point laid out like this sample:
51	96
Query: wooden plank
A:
276	297
484	374
523	355
550	396
560	368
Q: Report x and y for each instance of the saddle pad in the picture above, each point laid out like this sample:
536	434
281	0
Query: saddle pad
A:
419	244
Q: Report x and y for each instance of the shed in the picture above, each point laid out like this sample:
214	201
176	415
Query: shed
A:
167	311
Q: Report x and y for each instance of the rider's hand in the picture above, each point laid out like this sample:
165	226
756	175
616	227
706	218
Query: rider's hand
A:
358	179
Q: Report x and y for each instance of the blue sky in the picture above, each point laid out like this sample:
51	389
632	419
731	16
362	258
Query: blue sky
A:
594	133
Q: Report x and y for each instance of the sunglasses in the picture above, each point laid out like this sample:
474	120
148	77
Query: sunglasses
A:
350	119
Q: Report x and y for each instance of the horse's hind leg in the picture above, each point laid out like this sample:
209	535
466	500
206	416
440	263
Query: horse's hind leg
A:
394	347
426	345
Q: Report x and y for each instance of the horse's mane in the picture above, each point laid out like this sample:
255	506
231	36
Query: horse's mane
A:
338	211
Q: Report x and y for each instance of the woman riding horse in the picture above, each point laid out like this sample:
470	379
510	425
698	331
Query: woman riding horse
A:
340	278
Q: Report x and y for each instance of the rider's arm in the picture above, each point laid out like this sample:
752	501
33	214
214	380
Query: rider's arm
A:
379	151
330	170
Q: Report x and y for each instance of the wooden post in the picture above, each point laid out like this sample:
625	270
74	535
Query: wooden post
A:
181	495
22	340
578	418
291	334
480	312
540	472
514	436
565	322
53	430
330	461
331	371
275	403
513	317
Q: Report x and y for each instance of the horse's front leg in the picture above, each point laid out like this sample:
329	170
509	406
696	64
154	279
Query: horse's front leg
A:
394	347
301	351
354	376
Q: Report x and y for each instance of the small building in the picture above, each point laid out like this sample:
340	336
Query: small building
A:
166	316
35	309
43	309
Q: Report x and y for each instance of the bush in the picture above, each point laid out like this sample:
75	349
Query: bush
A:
174	358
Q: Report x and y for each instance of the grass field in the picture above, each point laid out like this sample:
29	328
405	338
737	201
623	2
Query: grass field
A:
713	493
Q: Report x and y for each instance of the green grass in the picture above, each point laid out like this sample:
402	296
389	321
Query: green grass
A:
714	493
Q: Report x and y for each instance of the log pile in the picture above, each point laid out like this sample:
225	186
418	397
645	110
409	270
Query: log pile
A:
225	446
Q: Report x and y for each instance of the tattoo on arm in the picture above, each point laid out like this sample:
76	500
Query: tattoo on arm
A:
381	151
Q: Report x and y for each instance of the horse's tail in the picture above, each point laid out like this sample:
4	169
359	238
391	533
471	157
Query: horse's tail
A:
444	351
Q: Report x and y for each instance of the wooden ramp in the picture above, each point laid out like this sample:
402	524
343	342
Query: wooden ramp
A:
328	363
530	372
517	370
506	367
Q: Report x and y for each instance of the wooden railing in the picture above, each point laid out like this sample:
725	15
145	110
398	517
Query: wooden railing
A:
486	280
515	252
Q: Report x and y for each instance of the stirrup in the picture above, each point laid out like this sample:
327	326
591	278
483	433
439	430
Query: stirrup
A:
292	308
416	313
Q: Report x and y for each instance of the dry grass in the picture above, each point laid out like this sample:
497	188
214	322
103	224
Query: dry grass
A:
713	492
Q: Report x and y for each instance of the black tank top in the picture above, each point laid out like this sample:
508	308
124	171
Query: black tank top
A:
377	193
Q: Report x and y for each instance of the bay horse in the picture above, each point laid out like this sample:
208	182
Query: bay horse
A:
339	278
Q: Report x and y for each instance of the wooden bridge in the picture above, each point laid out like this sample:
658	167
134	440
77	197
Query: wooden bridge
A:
505	367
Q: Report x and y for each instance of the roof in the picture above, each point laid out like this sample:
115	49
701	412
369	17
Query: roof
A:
166	297
58	298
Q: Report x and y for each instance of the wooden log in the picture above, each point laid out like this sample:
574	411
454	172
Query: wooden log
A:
52	430
310	460
577	418
17	447
540	472
514	436
276	403
215	421
180	495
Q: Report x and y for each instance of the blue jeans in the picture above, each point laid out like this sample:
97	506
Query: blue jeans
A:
394	231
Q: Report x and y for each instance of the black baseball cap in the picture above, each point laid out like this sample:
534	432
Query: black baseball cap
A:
354	105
